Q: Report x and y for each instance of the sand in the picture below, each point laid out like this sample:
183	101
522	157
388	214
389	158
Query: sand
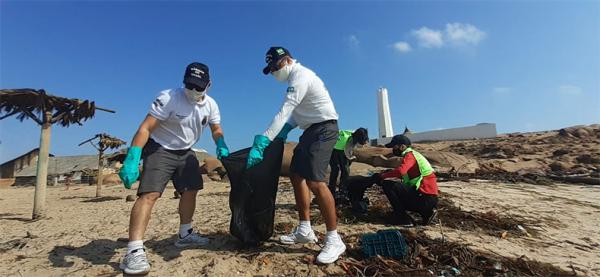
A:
559	223
86	237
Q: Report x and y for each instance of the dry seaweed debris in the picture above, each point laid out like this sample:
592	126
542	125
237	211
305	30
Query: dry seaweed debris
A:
491	223
434	257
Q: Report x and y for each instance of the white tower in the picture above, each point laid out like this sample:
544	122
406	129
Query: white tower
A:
383	109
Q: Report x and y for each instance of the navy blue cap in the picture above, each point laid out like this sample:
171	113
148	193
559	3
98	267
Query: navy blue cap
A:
398	140
196	75
274	54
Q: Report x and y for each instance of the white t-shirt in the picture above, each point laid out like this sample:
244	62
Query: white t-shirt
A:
307	102
181	122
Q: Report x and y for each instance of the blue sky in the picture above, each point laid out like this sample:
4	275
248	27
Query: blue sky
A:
524	66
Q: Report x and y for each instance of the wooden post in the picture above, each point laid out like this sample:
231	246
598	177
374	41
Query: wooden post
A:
100	166
39	199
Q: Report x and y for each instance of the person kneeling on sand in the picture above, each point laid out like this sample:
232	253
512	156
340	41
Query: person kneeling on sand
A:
175	123
418	190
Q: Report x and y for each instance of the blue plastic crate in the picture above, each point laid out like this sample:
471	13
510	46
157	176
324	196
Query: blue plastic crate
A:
386	243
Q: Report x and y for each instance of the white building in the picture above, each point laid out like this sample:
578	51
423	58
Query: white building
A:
481	130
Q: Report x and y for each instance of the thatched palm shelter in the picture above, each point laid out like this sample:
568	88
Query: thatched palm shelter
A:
102	143
45	110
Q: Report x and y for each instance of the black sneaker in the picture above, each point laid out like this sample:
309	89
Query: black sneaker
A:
360	207
401	222
430	217
341	201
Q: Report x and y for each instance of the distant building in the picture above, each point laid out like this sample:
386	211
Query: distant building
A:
82	169
481	130
8	169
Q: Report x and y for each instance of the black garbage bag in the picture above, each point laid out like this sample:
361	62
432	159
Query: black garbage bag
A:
357	186
253	193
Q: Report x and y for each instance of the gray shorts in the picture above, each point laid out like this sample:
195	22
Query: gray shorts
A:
162	165
313	152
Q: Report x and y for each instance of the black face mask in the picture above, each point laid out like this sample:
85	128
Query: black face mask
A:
397	152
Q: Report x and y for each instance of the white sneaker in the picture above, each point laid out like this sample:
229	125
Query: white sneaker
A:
297	237
331	251
192	239
135	263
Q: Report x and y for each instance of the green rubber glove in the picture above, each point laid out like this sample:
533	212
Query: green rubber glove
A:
258	148
284	132
222	150
130	172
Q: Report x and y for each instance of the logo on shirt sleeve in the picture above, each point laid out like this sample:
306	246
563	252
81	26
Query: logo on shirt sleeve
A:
204	120
157	102
291	89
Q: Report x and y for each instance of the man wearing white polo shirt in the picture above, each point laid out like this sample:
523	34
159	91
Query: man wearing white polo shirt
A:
307	105
174	123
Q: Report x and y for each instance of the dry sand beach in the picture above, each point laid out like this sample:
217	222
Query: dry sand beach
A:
87	237
515	221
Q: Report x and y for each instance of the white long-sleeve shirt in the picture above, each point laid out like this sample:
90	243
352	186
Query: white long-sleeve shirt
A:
307	102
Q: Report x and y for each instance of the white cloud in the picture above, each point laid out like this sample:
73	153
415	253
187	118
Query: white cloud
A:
501	91
402	47
456	34
428	38
569	90
353	41
462	34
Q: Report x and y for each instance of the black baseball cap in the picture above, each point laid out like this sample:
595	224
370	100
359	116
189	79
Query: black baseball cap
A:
274	54
196	75
398	140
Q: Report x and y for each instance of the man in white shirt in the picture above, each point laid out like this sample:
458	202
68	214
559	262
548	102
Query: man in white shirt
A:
174	123
307	105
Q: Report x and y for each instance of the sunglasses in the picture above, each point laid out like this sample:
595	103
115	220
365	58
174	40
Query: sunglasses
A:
277	65
195	87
